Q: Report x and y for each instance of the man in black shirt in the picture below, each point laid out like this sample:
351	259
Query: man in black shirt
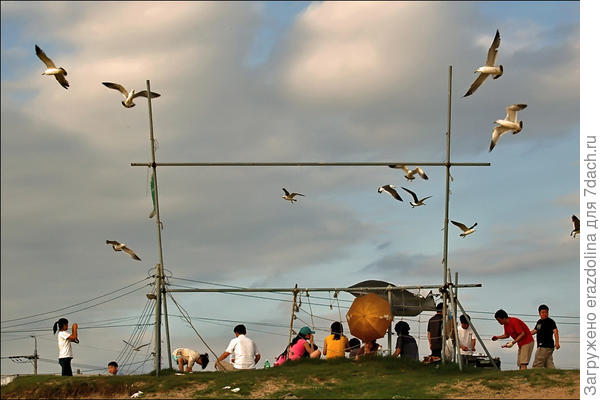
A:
546	329
434	332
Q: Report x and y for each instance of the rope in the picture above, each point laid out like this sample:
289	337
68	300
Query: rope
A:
338	304
186	316
312	321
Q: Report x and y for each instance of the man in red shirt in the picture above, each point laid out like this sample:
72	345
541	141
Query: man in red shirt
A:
521	334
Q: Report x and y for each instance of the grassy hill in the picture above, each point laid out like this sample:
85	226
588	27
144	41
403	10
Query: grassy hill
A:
375	378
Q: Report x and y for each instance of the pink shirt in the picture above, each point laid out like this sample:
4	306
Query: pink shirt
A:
297	350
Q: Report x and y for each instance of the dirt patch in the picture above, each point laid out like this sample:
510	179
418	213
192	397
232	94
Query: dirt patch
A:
568	388
271	386
184	392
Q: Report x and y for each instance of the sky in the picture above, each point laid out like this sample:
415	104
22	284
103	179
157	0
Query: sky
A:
280	82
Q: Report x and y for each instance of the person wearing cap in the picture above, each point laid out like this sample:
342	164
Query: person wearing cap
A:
303	345
188	357
243	350
434	332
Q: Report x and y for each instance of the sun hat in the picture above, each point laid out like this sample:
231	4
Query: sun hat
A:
305	331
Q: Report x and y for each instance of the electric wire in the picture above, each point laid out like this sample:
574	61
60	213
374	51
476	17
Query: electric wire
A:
79	310
73	305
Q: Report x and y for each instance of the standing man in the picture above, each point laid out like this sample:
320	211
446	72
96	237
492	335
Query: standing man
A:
244	352
188	357
434	332
521	334
545	329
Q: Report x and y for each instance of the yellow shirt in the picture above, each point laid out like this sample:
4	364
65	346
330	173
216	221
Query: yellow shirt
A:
335	348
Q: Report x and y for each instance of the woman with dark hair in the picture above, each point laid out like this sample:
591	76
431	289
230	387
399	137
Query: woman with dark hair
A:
65	353
406	345
302	346
335	344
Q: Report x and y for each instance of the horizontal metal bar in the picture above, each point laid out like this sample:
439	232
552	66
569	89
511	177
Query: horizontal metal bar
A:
346	289
305	164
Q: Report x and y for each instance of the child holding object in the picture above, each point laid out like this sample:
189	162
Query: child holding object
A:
65	353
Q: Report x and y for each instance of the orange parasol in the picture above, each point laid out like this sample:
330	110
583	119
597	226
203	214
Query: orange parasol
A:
369	317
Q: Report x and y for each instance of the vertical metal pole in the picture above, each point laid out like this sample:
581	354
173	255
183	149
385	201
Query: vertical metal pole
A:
444	310
35	355
160	269
293	315
455	328
164	293
390	328
157	321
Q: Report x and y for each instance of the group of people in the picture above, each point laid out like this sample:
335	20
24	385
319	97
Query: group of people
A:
545	329
245	354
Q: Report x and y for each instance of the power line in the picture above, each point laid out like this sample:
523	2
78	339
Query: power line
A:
81	309
73	305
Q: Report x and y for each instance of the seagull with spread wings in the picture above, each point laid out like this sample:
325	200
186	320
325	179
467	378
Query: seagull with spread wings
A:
489	68
417	202
509	123
463	227
410	173
59	73
129	95
290	196
575	230
122	247
134	348
391	190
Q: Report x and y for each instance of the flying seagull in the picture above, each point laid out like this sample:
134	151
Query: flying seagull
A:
410	173
121	246
489	68
290	196
575	230
463	227
129	95
391	190
138	347
59	73
509	123
417	202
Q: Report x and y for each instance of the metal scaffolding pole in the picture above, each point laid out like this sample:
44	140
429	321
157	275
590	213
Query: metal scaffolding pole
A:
445	258
306	164
160	268
300	290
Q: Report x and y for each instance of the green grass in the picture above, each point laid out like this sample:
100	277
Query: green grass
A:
374	378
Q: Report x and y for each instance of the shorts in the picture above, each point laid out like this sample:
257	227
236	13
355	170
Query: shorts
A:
225	366
524	354
543	358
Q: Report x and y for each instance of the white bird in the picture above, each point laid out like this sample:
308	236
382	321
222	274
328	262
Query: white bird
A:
59	73
575	230
509	123
417	202
391	190
138	347
463	227
137	394
129	95
290	196
410	173
122	247
489	68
